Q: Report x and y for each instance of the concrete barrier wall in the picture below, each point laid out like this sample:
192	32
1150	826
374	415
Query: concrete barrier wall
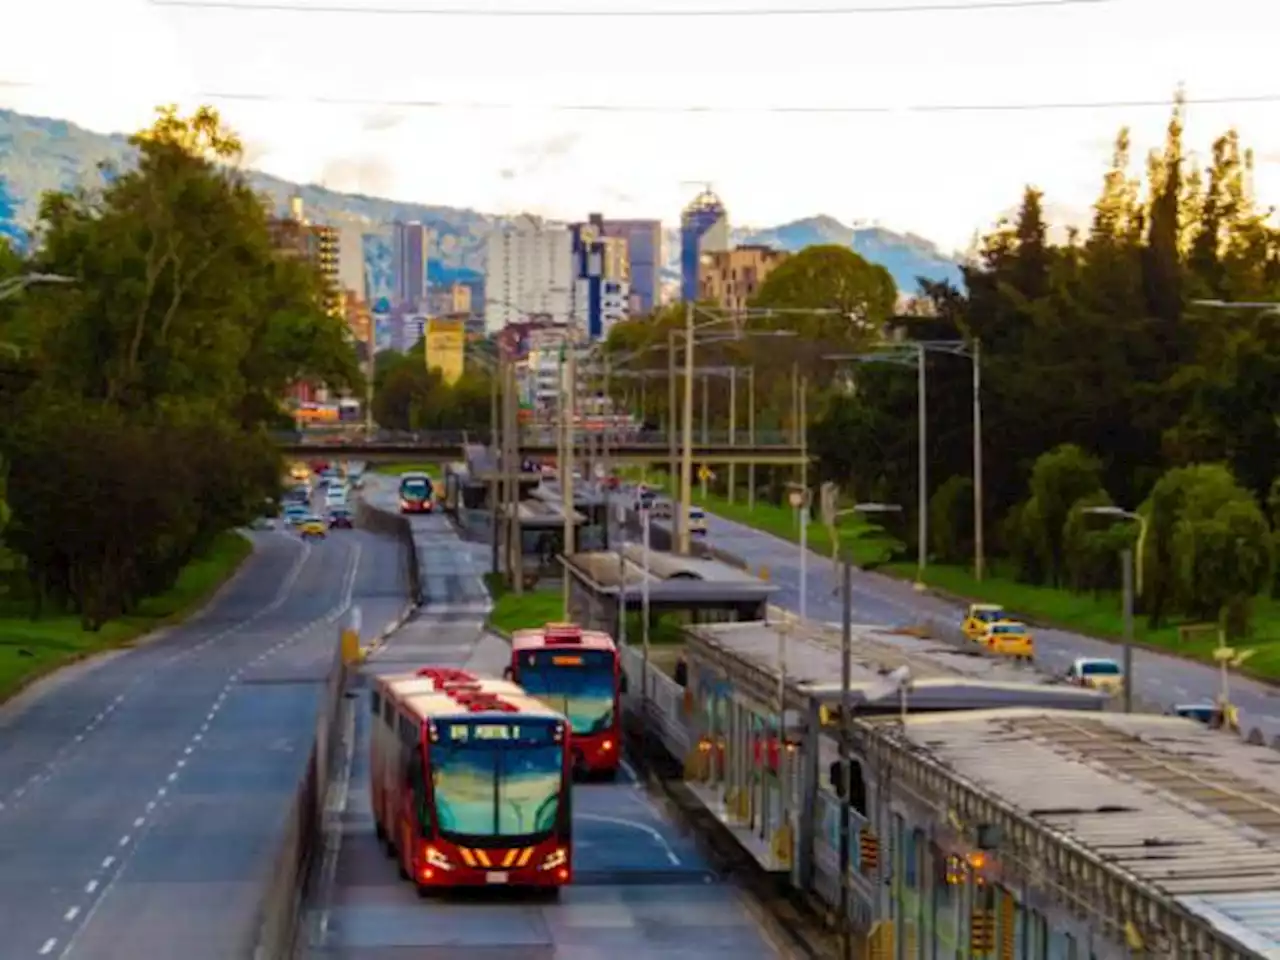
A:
394	525
302	834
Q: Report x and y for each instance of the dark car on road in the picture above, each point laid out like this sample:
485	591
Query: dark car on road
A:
340	518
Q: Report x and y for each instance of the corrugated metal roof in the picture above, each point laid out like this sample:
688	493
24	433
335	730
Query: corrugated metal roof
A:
1192	811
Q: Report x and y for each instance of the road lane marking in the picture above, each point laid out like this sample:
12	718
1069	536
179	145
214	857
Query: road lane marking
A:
71	914
139	821
124	841
282	595
48	946
91	886
106	864
657	837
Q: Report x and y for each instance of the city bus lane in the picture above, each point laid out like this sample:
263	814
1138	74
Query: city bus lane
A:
64	850
641	886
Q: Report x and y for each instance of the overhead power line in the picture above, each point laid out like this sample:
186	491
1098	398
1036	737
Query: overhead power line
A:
930	108
640	108
973	6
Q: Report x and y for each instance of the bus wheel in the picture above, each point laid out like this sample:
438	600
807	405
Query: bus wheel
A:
608	776
424	891
377	829
404	874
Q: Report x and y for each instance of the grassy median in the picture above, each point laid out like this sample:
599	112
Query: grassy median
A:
30	649
395	469
533	608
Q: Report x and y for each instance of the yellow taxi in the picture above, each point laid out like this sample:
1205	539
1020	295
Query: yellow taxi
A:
312	527
979	617
1009	638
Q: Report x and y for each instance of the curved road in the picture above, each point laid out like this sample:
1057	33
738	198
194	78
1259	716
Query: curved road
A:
642	889
142	793
1159	679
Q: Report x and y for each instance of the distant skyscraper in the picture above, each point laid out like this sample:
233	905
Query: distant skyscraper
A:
351	259
529	272
296	236
410	243
704	228
602	278
644	253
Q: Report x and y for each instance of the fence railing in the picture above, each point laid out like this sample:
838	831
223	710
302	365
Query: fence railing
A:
532	436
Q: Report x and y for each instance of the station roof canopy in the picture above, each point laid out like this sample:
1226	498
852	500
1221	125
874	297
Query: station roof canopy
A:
1187	817
537	515
942	676
673	580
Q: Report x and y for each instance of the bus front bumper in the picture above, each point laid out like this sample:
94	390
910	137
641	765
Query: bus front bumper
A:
547	864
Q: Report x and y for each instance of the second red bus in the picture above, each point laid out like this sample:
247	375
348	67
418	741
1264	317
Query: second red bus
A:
576	672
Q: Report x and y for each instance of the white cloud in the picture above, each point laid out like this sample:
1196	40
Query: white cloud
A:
940	175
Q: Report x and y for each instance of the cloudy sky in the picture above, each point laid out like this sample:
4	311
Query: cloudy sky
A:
493	139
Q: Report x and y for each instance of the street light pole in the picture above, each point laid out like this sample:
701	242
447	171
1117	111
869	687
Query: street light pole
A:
979	537
566	471
1126	563
922	506
673	466
686	460
846	751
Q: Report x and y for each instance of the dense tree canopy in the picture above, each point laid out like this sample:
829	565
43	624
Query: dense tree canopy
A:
1106	378
410	396
140	396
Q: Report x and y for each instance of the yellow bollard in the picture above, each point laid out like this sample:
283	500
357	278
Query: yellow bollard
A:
783	843
350	647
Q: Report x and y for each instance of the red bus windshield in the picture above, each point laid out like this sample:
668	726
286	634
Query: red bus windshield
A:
497	779
581	684
415	488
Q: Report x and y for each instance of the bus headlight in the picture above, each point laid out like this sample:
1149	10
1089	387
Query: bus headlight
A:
557	858
435	858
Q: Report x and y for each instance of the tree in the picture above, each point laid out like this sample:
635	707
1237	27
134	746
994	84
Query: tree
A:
1059	480
137	435
861	295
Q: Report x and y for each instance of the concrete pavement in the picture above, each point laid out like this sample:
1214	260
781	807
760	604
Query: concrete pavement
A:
642	888
1159	680
142	795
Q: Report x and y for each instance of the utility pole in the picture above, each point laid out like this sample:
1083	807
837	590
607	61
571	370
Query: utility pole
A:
922	505
686	462
370	372
511	467
566	471
751	437
1126	563
733	428
497	491
846	751
673	470
979	546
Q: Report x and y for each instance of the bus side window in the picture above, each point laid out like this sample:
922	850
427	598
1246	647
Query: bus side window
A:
415	777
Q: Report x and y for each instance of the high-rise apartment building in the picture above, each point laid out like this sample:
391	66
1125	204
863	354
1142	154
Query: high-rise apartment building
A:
644	257
446	301
410	245
351	259
731	278
316	242
704	229
529	272
602	281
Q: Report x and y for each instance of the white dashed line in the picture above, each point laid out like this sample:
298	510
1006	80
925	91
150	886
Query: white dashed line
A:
71	914
106	864
189	749
173	777
181	764
139	821
162	791
48	946
124	841
91	886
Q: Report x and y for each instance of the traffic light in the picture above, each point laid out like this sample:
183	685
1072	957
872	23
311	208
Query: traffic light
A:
982	932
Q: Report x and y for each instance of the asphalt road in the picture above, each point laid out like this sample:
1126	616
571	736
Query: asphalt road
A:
1160	681
642	890
142	794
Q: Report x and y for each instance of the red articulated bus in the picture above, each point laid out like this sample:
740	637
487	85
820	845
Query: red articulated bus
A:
470	780
417	493
576	672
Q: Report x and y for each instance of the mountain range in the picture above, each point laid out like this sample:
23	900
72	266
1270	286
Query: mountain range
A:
39	154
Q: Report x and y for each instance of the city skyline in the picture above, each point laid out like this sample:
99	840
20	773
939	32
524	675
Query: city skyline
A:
893	164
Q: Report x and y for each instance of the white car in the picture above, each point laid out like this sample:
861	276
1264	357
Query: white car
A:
335	497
